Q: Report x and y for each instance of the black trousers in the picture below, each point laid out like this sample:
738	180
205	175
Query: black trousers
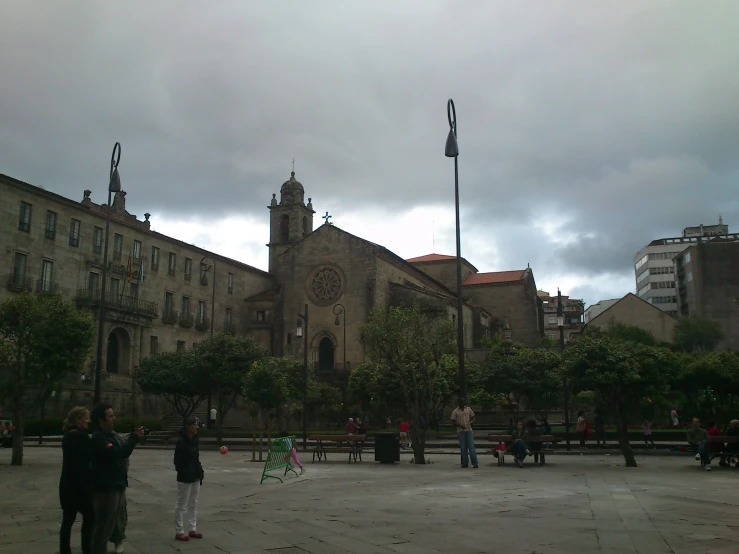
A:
65	533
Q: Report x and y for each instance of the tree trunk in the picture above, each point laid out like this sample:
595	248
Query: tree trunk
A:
17	458
622	428
219	426
419	446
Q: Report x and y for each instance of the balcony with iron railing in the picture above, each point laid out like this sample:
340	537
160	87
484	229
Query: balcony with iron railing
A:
187	320
47	286
169	315
202	323
91	298
19	282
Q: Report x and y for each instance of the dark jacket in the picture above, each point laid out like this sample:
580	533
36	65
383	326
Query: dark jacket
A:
75	487
187	460
110	460
732	446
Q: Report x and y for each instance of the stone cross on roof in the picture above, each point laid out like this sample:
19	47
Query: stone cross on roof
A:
326	219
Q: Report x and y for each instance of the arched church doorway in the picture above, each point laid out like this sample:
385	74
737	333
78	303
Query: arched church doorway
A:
326	355
119	349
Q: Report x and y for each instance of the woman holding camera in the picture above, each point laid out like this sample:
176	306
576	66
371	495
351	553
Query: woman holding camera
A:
75	484
189	478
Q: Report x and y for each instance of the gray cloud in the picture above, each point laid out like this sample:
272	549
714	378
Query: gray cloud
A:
617	120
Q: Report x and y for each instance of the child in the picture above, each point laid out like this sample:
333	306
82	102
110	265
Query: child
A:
647	425
293	454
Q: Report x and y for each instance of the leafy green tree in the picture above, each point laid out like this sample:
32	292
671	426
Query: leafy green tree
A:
43	338
407	350
710	384
625	333
178	377
620	375
227	359
266	386
697	334
526	378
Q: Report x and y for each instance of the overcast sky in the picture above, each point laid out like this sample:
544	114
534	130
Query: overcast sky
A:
586	129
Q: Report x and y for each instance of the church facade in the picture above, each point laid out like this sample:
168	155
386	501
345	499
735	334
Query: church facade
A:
161	290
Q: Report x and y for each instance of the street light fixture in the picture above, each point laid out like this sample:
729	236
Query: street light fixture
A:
337	321
204	282
561	325
452	151
114	185
300	332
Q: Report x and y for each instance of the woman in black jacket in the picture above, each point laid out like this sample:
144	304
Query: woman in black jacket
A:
189	478
75	484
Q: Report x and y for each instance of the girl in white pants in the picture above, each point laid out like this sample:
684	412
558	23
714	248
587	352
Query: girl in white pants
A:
189	478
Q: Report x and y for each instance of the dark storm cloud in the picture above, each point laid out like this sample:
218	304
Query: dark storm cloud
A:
615	121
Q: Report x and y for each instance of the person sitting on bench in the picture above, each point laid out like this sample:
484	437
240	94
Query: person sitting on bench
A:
518	446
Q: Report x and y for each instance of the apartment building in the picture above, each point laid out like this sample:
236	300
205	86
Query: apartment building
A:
572	310
654	269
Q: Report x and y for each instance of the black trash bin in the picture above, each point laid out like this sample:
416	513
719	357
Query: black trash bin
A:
387	448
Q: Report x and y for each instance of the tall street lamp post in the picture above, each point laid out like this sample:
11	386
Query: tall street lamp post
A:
302	331
204	269
339	310
452	151
561	325
114	185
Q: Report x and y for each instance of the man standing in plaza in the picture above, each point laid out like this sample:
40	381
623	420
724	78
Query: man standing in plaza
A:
462	417
212	418
109	476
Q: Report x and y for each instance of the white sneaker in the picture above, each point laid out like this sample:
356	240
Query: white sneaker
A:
708	467
697	456
302	470
119	547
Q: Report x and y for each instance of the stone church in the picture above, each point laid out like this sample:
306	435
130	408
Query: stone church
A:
164	294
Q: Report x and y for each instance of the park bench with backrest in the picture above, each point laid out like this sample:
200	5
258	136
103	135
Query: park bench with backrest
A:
502	442
351	444
732	457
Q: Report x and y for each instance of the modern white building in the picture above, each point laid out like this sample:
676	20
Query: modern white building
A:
598	308
654	269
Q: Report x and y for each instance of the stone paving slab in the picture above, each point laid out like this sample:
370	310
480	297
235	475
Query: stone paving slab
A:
574	504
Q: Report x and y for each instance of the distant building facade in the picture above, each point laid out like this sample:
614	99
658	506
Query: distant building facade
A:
654	267
708	284
572	310
155	297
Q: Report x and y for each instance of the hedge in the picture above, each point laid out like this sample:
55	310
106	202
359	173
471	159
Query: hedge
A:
54	425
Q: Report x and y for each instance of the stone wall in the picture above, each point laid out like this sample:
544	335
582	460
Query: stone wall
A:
632	310
445	271
516	301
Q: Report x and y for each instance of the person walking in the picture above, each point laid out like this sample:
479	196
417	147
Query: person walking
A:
647	426
190	476
698	441
403	428
109	475
293	452
212	418
463	417
75	490
582	427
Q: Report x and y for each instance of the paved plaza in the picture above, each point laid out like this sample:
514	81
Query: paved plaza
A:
576	504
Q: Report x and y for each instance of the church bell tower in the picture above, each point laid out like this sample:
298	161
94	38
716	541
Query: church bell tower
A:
289	220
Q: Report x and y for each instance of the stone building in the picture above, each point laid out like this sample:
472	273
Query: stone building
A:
708	284
159	300
572	311
504	294
155	297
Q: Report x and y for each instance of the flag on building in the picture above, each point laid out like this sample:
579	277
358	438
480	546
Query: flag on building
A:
141	273
130	267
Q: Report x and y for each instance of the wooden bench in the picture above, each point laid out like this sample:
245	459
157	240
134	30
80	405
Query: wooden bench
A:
353	446
733	457
507	440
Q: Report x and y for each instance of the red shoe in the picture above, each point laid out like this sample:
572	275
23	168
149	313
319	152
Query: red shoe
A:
195	535
181	537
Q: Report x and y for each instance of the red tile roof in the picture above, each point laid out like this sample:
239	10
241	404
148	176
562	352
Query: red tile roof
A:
494	277
431	258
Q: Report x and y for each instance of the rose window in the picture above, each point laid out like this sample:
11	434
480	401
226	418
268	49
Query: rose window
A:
326	284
